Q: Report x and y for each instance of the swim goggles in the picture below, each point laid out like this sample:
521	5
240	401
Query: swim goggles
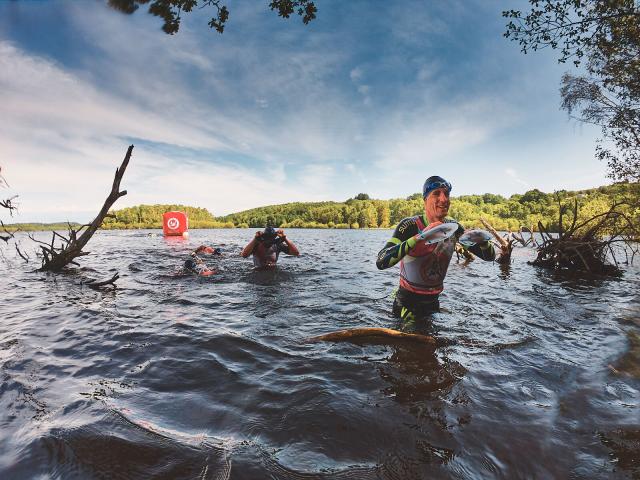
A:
434	184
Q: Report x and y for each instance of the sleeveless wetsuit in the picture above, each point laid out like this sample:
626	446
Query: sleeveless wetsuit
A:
265	254
422	267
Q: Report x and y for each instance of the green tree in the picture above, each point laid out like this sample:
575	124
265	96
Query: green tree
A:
492	198
534	196
607	34
171	11
384	214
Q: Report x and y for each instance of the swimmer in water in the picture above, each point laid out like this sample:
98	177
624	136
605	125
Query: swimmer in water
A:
266	247
208	250
196	265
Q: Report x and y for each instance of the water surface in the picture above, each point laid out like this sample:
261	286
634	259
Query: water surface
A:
173	376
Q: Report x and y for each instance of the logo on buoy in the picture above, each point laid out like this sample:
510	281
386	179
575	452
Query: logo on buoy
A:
173	223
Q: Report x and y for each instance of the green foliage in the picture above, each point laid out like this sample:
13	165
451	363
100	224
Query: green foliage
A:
604	37
150	216
504	214
170	11
40	227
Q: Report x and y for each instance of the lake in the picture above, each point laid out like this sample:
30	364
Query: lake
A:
175	376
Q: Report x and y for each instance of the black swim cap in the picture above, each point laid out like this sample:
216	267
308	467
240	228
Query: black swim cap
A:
269	232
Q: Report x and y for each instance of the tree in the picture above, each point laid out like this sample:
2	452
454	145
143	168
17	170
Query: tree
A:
56	258
534	196
607	34
362	196
171	10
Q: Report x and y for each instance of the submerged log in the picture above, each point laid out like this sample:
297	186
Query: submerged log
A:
55	258
358	333
92	283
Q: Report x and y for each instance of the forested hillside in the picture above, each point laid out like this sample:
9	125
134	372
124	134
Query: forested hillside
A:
363	212
503	213
150	216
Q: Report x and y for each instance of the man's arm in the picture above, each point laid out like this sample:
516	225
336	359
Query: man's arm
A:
403	240
248	250
289	247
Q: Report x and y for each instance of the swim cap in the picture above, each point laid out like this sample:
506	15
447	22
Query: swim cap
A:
431	183
269	232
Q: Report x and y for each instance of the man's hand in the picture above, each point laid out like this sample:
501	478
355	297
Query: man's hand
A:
423	234
280	233
258	235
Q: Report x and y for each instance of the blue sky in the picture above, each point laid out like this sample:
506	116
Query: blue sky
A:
372	96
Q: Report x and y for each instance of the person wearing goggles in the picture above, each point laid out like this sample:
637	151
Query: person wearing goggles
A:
423	261
266	247
195	264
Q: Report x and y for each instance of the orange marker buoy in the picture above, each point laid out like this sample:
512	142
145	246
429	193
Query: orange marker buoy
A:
175	224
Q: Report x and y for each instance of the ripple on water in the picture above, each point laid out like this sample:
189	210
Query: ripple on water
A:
172	376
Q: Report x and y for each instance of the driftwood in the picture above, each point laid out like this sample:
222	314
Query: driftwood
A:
96	285
358	333
588	246
506	244
463	252
6	235
55	258
519	237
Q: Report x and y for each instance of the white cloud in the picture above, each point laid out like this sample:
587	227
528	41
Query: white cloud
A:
431	136
266	114
43	98
511	173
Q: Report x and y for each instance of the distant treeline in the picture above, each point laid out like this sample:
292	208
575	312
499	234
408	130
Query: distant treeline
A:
37	227
363	212
150	216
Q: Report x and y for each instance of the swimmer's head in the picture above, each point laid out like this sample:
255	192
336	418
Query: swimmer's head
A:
269	233
433	183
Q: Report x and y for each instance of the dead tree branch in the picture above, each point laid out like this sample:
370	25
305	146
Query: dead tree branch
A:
56	258
587	245
9	205
506	245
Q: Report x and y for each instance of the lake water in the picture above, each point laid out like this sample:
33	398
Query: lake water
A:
173	376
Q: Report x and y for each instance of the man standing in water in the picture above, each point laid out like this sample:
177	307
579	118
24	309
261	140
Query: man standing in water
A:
266	247
423	266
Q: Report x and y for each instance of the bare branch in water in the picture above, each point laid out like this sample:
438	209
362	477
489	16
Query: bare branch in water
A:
56	258
587	245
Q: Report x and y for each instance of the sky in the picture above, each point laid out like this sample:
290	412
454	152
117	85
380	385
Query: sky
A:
371	97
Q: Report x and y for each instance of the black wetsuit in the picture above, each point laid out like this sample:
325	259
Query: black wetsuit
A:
423	267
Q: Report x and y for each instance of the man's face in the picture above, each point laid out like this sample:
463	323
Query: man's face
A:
436	205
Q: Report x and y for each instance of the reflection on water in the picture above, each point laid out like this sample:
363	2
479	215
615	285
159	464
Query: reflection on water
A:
173	376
